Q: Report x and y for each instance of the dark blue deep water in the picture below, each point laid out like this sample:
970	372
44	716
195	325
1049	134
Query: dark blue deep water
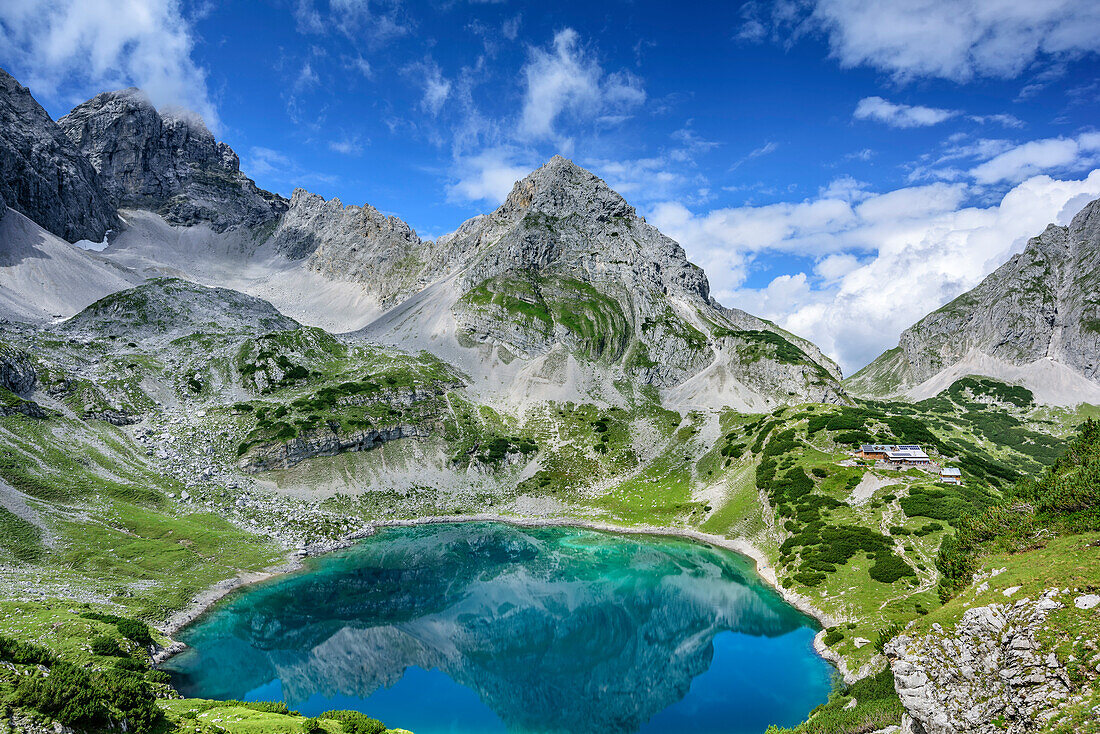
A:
483	627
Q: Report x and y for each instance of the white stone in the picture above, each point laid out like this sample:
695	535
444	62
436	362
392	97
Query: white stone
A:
1087	601
1011	590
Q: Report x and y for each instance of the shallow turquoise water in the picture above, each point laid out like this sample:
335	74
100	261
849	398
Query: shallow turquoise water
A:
484	627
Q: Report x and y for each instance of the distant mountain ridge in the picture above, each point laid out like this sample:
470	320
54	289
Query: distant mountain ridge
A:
1034	321
561	293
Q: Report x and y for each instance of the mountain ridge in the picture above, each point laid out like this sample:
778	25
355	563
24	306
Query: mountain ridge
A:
600	295
1035	320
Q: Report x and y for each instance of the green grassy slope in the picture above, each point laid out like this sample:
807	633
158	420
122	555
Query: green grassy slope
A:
137	519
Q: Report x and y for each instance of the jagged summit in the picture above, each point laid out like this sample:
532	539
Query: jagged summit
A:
168	162
561	188
1035	320
42	175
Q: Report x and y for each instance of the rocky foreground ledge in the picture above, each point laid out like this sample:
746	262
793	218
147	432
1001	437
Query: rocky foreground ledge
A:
991	673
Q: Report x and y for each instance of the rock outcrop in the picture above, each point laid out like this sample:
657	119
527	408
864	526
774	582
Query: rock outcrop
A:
352	243
988	675
43	175
328	441
165	309
17	373
1039	312
167	162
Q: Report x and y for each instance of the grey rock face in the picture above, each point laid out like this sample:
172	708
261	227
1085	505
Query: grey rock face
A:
17	373
988	675
43	175
1043	303
328	442
566	260
169	163
354	243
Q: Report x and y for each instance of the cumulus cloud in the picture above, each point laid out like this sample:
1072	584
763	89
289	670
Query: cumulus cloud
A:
61	48
900	115
565	79
879	263
957	39
949	39
1036	156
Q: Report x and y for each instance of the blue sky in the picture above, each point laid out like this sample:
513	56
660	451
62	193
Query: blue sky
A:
840	166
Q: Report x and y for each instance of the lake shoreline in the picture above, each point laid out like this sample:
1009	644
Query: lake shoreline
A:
295	561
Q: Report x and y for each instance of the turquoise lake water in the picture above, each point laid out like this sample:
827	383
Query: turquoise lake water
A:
485	627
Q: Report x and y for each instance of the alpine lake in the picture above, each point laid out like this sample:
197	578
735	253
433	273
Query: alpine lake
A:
489	627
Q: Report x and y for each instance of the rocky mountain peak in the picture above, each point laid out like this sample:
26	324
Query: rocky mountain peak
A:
167	161
43	175
560	188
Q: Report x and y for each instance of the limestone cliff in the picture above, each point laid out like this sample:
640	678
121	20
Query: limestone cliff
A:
167	162
43	175
990	674
1034	320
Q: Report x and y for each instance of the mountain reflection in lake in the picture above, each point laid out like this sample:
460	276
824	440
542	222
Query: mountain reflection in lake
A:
483	626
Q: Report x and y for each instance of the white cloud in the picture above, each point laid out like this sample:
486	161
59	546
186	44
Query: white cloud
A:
565	79
267	162
900	115
346	145
360	65
957	39
436	88
307	78
489	175
53	46
1003	119
880	264
510	28
375	22
1036	156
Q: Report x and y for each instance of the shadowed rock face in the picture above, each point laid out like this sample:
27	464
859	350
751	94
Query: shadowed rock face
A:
169	163
43	175
555	629
17	373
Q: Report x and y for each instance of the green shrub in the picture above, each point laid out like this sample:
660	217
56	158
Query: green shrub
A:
128	663
24	653
353	722
107	647
889	567
131	698
67	694
832	636
158	676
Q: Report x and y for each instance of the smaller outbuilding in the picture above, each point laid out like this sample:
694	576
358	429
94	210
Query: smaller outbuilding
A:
951	475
